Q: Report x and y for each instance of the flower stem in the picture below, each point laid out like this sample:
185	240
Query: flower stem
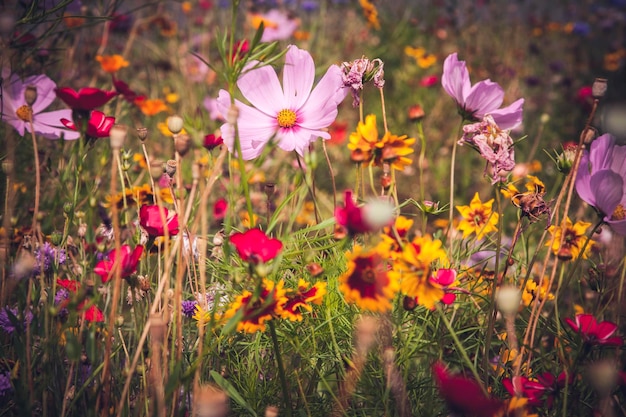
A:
281	369
452	167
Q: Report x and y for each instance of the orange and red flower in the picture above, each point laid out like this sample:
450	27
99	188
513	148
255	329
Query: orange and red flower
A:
255	311
303	297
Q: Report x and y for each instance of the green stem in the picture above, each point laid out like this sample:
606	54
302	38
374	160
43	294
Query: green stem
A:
462	350
281	369
452	167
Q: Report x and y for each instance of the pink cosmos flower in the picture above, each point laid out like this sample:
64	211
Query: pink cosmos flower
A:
293	115
151	220
98	126
16	111
601	180
481	99
212	107
87	98
128	262
593	332
255	246
277	25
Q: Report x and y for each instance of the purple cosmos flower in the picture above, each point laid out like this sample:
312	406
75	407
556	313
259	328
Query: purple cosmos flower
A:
494	144
17	112
277	26
481	99
601	180
294	115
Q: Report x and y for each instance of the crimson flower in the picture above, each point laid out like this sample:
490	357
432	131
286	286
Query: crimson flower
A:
539	392
211	141
219	209
93	313
254	246
351	217
128	262
98	126
87	98
122	88
463	395
150	219
595	333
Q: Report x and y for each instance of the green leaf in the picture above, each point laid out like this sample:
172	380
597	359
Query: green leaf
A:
231	391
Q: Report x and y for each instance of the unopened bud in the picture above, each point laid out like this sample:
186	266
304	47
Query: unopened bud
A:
598	88
30	95
195	172
117	135
379	213
182	144
142	133
416	113
68	207
271	411
175	124
56	237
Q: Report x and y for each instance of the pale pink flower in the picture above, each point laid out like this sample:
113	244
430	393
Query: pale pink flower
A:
15	109
481	99
278	26
294	115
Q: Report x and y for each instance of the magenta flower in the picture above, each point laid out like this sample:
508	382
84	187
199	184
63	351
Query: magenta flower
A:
595	333
87	98
293	115
601	180
255	246
351	217
155	223
98	126
481	99
17	113
128	262
540	391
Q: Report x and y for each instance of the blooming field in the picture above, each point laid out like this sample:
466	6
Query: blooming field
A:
312	208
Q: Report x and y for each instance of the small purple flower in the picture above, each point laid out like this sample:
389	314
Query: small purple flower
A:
5	384
18	113
601	181
494	144
61	296
9	318
481	99
189	307
49	255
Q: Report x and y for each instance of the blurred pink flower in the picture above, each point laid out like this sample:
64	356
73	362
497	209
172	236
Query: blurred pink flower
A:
293	115
481	99
601	180
351	217
277	25
16	111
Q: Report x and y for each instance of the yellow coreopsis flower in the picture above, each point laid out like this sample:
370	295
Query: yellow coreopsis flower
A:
371	13
363	141
478	218
393	149
575	241
256	311
150	107
414	266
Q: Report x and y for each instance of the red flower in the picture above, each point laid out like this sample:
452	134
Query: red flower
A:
211	142
219	209
93	313
87	98
122	88
150	219
429	81
539	392
463	395
254	246
351	216
445	278
593	332
128	262
240	49
98	126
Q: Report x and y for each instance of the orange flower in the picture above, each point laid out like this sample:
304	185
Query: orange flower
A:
150	107
302	297
112	63
254	311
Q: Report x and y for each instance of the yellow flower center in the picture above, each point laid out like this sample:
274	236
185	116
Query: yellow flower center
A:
619	213
25	113
286	118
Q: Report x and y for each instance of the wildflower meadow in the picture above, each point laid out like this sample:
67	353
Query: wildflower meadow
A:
334	208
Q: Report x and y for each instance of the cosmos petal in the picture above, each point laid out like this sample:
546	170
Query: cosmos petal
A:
261	88
298	77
